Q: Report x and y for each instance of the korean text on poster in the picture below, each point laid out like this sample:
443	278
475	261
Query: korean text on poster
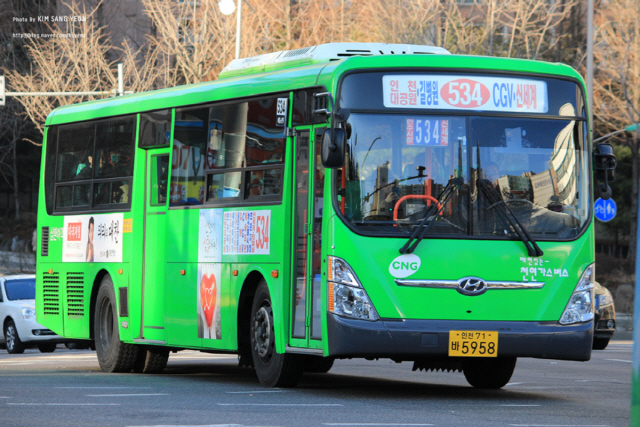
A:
427	132
246	232
92	238
210	235
465	93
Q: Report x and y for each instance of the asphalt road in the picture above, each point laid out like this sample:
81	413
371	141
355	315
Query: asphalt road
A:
67	388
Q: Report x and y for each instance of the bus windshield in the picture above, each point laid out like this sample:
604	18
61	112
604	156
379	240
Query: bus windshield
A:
532	168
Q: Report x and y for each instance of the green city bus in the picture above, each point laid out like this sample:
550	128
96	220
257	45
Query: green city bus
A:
336	201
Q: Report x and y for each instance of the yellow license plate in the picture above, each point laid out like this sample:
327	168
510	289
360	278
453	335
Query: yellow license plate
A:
473	343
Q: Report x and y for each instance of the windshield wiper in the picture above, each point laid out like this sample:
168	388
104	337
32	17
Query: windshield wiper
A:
495	200
432	213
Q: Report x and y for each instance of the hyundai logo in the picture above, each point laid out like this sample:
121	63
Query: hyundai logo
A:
471	286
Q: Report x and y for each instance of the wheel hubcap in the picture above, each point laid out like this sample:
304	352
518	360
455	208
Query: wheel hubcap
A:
262	333
11	337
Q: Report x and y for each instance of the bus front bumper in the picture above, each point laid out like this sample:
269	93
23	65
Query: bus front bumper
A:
411	339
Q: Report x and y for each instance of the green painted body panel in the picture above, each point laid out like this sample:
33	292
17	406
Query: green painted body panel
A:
171	297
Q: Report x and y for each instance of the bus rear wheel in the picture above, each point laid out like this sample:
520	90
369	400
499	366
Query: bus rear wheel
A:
273	369
113	354
151	360
489	373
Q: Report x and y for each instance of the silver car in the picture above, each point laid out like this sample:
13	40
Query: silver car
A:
18	316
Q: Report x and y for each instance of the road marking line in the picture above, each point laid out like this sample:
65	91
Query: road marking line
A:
259	391
209	425
519	405
52	360
82	387
514	384
279	404
5	397
127	395
557	425
373	424
620	360
64	404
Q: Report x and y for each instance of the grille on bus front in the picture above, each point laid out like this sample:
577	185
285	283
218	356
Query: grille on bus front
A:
75	294
51	293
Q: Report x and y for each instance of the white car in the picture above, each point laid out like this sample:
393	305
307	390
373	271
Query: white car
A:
18	316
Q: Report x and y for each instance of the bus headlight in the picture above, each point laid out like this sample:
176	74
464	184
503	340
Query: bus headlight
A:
580	306
345	293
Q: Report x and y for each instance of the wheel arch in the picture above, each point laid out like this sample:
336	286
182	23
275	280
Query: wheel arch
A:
245	300
94	296
5	322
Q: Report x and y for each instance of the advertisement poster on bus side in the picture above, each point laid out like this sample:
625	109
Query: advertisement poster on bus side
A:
246	233
209	301
441	92
92	238
210	235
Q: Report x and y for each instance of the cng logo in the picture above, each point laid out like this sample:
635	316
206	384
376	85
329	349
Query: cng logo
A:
404	266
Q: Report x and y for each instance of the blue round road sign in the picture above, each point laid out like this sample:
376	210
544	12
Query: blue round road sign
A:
605	210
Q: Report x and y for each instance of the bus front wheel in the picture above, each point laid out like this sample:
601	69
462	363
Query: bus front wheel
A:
272	368
489	373
113	354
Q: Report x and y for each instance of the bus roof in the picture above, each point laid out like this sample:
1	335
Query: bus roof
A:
319	74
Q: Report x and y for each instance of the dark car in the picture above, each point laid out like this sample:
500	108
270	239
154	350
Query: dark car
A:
605	318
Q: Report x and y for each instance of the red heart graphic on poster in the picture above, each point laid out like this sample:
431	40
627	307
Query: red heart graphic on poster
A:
208	295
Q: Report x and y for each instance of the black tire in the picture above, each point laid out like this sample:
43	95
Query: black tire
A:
151	360
318	365
12	339
489	373
273	369
113	354
78	345
600	343
47	347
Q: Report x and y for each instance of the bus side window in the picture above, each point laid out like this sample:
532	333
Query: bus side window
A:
189	153
265	147
114	148
159	180
155	129
75	147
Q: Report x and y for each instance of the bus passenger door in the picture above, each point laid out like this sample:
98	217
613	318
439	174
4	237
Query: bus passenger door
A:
152	325
306	326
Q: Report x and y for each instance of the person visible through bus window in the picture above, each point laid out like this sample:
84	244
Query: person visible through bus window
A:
112	164
257	184
90	241
84	168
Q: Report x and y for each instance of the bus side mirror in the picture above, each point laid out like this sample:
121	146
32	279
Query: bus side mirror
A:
334	142
604	164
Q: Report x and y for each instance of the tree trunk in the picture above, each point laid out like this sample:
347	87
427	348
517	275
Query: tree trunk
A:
633	143
16	192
